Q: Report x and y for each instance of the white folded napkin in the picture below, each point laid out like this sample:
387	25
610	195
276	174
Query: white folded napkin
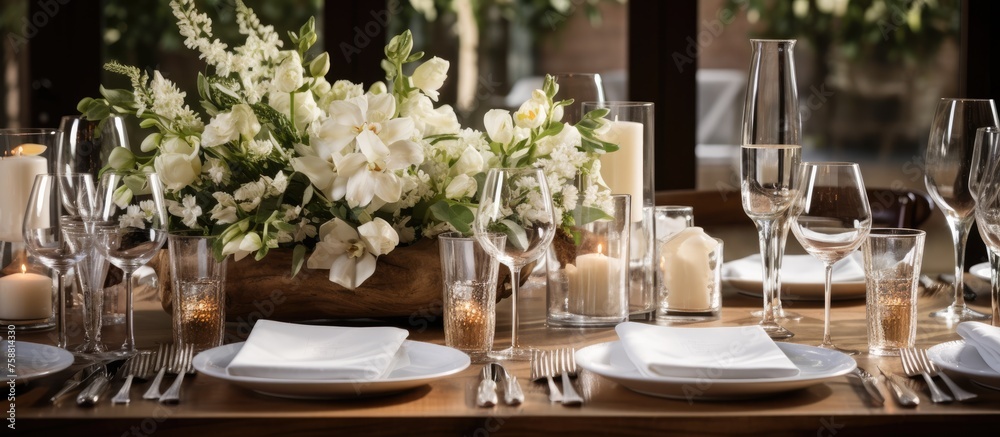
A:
986	340
743	352
798	269
291	351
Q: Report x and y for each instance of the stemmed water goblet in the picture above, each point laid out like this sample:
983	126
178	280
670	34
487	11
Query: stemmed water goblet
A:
58	227
985	184
85	148
131	226
830	217
515	202
948	164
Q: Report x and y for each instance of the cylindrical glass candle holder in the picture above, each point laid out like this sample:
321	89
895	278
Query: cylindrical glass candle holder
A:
199	293
469	276
588	270
892	270
629	170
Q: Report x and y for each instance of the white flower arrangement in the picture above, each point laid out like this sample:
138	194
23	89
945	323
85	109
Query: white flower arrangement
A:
341	174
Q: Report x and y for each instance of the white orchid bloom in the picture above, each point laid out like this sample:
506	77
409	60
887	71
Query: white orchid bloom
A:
430	76
499	126
351	256
382	146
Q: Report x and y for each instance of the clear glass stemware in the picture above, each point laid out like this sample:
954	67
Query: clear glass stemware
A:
831	218
58	228
769	182
581	87
85	148
515	202
771	117
948	165
131	226
985	184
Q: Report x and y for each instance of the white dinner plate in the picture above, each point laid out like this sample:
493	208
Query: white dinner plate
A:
815	366
981	271
964	359
33	360
798	288
427	362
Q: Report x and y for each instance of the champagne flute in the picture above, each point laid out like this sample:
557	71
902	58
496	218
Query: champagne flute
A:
948	164
515	202
131	226
771	116
985	185
769	181
85	148
57	228
831	218
581	87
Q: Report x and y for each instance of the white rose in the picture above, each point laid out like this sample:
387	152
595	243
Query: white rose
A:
531	114
230	126
177	170
175	144
499	126
461	186
379	236
430	75
288	74
345	89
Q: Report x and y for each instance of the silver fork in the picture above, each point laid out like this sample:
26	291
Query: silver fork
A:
512	393
912	367
958	392
173	394
163	355
486	393
539	370
567	366
138	366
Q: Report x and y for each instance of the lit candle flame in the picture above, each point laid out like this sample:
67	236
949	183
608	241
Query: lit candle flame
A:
599	247
24	269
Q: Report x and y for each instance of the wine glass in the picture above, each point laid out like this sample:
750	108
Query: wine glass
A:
771	116
831	218
131	226
516	203
57	228
948	164
985	185
769	181
581	87
85	148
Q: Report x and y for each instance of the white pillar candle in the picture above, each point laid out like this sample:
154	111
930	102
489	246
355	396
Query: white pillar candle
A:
623	170
17	174
25	296
590	288
687	274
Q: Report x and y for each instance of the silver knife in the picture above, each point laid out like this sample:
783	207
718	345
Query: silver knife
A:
904	396
869	384
78	378
90	395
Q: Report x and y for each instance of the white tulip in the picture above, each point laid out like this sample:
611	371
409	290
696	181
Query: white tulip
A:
470	163
430	75
531	114
461	186
499	126
306	109
288	74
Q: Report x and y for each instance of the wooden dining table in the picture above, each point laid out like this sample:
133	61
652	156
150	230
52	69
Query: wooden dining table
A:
446	406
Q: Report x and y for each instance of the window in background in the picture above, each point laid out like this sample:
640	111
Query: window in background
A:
869	75
501	50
